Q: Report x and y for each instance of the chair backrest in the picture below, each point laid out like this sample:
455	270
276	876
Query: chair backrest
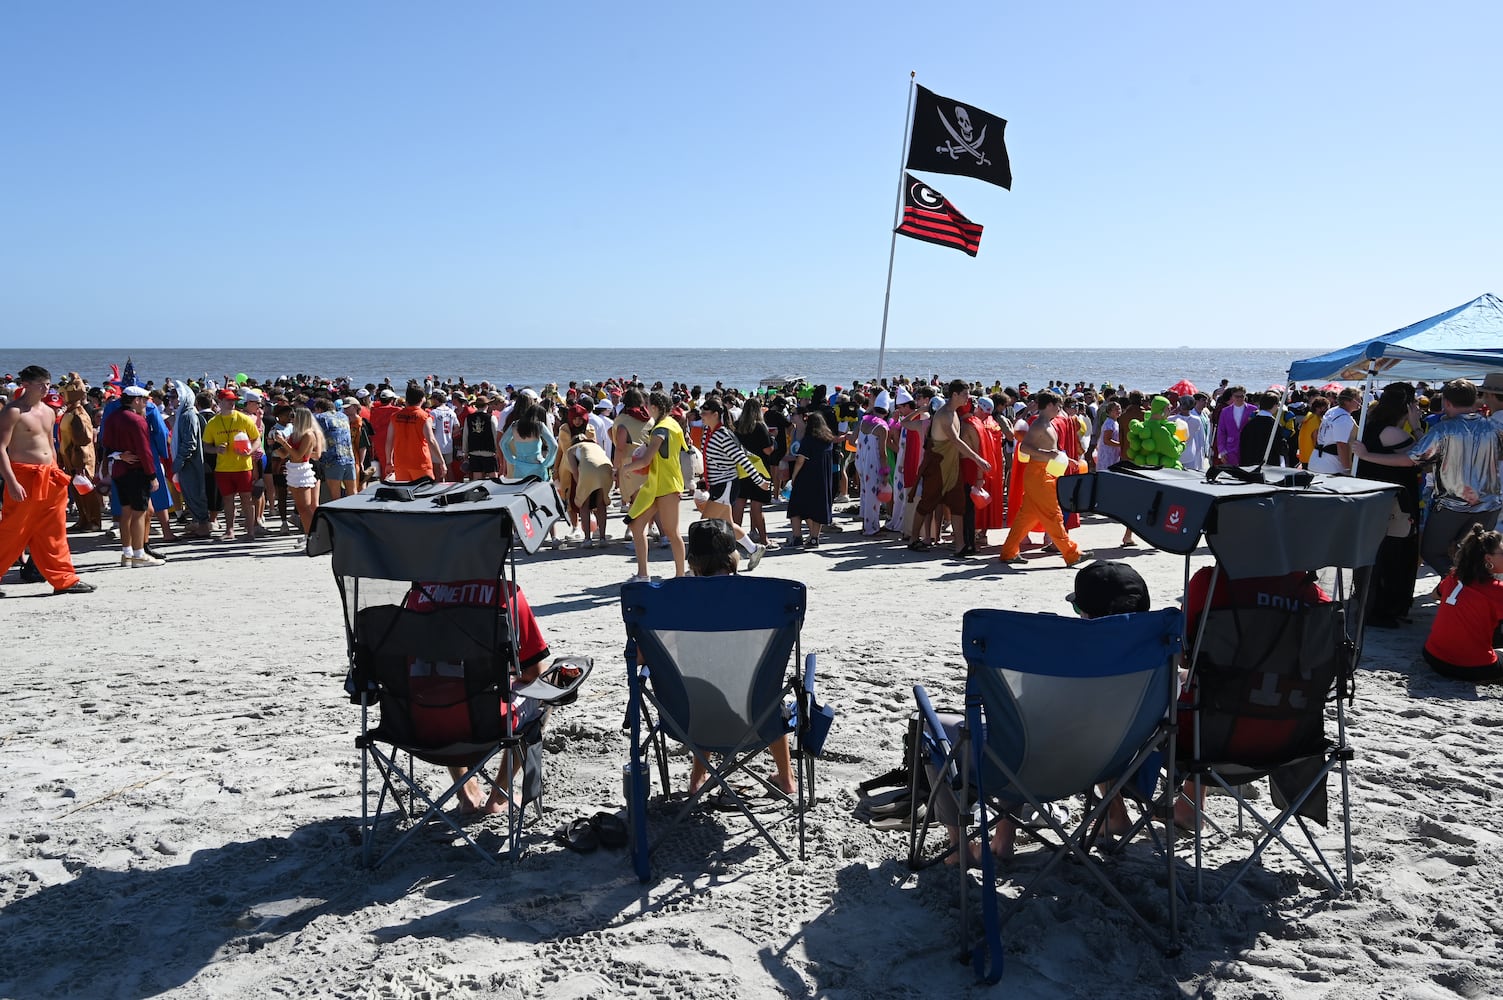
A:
717	652
1068	702
1265	675
442	674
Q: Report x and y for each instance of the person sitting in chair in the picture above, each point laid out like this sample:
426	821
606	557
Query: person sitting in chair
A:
711	550
1288	592
1463	636
532	656
1102	589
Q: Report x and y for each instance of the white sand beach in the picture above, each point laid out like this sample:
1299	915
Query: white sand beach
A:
179	795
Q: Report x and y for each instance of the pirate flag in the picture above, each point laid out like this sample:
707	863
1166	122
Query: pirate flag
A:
954	138
929	216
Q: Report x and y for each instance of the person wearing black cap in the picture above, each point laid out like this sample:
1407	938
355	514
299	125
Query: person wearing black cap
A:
1103	589
1108	588
711	549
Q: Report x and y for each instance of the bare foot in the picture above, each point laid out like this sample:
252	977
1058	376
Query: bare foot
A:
1185	816
1002	841
471	798
972	852
784	785
498	802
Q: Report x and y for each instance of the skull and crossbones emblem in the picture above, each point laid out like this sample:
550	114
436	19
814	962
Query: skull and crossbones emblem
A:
966	139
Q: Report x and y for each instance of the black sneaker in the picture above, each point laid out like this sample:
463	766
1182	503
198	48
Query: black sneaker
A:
78	588
30	573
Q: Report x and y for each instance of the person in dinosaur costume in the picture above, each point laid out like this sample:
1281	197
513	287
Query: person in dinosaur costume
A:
1152	441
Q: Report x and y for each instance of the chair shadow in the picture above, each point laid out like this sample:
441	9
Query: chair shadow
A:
243	896
1072	908
243	893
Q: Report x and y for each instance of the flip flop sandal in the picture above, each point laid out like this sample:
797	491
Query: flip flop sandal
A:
899	822
898	807
610	829
578	835
886	797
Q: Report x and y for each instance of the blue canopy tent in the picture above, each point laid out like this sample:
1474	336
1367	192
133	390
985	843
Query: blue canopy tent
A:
1465	342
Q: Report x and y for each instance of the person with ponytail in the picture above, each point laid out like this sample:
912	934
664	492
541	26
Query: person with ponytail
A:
1463	637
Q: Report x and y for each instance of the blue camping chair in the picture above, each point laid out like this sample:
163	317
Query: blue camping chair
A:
1060	705
714	672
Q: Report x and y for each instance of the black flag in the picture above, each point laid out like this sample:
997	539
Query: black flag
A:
929	216
954	138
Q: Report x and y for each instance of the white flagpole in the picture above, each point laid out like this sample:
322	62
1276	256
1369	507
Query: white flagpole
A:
897	219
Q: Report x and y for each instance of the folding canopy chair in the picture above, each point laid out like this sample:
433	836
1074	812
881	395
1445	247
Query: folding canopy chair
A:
710	658
427	577
1262	678
1052	725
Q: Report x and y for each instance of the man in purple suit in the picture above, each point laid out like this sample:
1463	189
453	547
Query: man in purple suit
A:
1234	416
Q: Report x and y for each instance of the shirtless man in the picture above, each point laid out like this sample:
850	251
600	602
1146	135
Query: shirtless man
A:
35	515
1040	504
940	472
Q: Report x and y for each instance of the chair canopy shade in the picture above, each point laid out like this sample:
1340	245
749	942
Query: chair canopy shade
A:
1253	529
420	539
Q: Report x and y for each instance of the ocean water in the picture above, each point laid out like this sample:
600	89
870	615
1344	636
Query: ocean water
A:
1152	369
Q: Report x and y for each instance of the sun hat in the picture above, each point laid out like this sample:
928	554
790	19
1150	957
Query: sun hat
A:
604	404
135	390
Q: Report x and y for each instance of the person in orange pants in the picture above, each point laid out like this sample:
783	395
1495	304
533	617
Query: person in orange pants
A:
35	515
1040	504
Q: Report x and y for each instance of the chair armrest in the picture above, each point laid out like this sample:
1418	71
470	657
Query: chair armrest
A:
933	725
809	675
551	687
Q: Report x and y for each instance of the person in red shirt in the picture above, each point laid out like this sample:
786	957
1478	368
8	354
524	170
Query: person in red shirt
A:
380	415
533	655
1463	637
1290	592
125	438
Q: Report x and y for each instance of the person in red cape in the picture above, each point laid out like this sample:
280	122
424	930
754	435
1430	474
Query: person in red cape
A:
993	514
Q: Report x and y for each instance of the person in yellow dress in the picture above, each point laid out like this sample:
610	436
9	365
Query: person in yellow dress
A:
660	491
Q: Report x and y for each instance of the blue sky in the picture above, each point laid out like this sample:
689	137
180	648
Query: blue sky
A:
505	174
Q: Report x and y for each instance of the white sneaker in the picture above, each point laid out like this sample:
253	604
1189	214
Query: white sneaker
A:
755	557
141	562
638	578
125	560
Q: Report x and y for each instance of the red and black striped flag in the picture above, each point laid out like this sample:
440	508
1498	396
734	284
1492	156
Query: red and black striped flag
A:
929	216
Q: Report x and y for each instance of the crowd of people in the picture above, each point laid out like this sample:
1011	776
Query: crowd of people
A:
925	462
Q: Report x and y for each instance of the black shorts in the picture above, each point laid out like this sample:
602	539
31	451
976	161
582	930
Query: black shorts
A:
724	492
747	489
485	465
134	489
